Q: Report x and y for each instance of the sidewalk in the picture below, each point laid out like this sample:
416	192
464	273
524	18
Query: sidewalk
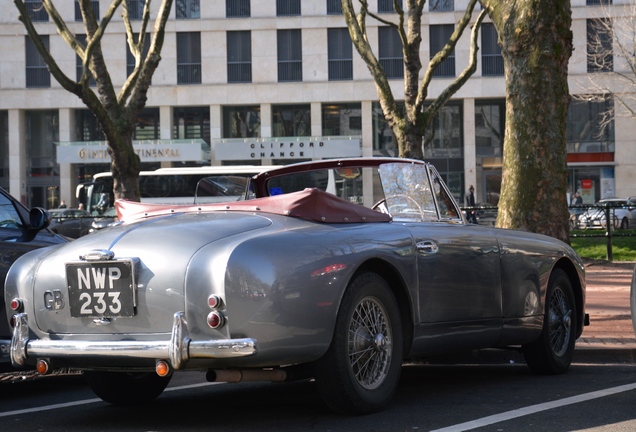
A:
610	335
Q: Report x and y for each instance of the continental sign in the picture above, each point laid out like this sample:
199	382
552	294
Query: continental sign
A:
148	151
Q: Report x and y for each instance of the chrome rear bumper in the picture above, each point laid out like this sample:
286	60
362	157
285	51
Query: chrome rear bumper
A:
178	350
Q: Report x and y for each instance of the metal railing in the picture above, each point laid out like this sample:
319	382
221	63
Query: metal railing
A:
589	218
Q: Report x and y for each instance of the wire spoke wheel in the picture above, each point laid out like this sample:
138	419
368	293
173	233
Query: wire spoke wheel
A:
552	351
560	322
360	371
369	343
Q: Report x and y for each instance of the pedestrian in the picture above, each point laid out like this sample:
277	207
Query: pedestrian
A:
577	199
62	204
81	206
469	201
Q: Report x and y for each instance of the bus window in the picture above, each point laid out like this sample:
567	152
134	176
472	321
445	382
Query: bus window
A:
172	186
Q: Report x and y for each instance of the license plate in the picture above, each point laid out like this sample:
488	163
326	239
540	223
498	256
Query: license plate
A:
102	289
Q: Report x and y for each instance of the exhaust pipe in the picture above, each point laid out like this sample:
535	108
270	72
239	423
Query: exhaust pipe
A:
244	375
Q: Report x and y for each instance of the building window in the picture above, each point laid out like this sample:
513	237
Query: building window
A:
439	35
130	58
444	147
341	119
135	9
390	52
241	121
187	9
590	126
290	65
340	54
444	138
87	128
192	123
491	58
42	132
189	58
598	2
334	7
43	172
600	56
36	10
384	141
490	118
37	73
237	8
386	6
441	5
489	127
78	63
147	127
287	7
291	120
78	11
239	56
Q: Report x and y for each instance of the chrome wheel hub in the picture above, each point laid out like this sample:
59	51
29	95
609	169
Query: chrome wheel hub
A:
370	343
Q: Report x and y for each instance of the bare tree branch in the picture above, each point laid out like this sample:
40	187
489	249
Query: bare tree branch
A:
611	59
409	125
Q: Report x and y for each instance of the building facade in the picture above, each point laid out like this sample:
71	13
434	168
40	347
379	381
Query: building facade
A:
277	81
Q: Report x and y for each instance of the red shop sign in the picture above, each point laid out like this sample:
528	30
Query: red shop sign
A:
586	184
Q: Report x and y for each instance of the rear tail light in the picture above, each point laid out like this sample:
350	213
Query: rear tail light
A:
17	305
216	319
215	301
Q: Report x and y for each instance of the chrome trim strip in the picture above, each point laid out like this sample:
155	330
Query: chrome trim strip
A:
179	349
98	255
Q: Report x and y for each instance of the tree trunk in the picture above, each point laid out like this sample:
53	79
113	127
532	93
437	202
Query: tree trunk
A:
125	165
536	47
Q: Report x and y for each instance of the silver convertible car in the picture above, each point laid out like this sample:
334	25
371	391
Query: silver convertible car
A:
336	270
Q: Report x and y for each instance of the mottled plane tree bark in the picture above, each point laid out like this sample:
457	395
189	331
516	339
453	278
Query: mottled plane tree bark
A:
116	112
536	44
410	124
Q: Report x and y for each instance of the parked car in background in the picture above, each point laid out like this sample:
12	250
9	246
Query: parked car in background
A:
622	213
72	223
337	270
20	232
104	220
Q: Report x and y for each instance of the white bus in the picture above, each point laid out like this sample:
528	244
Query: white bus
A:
171	186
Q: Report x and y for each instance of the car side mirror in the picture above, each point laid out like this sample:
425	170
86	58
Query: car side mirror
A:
39	218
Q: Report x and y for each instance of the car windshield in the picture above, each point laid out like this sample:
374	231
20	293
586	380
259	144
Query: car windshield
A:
221	188
404	190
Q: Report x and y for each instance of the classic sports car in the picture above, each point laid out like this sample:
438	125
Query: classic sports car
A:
337	270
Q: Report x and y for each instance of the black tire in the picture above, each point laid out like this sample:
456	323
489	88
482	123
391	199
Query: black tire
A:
624	224
123	388
552	352
361	370
632	300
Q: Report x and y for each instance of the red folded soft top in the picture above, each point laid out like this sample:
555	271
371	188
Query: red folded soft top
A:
311	204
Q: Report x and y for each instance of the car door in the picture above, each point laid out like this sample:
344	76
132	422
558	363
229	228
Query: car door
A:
459	273
457	263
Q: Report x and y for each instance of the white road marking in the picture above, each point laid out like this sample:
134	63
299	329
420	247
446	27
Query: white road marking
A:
533	409
90	401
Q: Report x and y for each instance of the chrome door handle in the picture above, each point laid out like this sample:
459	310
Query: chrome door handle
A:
427	247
